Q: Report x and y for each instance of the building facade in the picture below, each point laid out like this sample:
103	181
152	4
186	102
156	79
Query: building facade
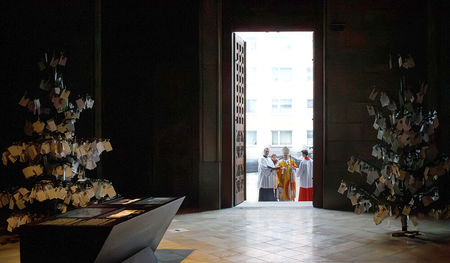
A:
279	92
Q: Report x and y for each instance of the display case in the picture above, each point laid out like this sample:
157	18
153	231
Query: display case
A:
120	230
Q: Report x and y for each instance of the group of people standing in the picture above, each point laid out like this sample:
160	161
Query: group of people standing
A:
276	178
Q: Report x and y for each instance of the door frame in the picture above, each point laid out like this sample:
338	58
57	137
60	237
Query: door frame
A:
227	188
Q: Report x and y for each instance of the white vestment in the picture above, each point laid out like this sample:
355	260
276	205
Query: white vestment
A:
265	175
305	172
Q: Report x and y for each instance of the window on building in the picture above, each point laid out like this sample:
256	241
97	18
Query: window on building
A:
309	137
281	105
285	74
251	106
282	42
281	137
251	138
281	74
309	103
275	72
309	74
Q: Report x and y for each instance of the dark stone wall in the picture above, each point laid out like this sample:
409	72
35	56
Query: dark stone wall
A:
150	94
356	58
28	29
439	66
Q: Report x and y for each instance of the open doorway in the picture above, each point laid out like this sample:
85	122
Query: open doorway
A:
278	100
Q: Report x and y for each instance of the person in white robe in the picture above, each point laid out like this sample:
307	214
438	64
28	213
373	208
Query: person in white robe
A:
266	185
305	172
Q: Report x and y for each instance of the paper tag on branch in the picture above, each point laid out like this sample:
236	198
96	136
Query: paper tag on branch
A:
427	200
384	99
45	85
31	171
5	158
51	126
372	176
80	103
5	199
373	94
380	134
406	210
62	128
354	199
41	196
370	110
70	127
66	148
38	127
101	192
380	215
31	152
100	147
15	150
45	148
24	101
107	146
89	103
375	124
54	62
357	167
62	61
68	173
110	191
68	135
65	94
90	164
68	115
342	188
408	63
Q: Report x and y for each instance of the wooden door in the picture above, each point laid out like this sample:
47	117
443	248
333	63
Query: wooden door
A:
239	79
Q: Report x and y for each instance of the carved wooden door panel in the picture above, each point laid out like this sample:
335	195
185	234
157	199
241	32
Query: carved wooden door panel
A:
239	79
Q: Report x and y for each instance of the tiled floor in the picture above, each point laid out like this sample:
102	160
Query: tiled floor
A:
255	233
298	234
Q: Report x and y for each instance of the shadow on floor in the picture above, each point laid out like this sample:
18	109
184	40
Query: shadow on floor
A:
172	255
427	238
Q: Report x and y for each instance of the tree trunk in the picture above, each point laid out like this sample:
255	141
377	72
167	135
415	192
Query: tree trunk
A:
404	223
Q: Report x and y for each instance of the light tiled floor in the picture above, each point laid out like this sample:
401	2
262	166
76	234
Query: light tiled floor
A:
290	234
298	234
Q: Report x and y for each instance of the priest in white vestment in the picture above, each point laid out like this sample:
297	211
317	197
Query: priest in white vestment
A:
266	178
